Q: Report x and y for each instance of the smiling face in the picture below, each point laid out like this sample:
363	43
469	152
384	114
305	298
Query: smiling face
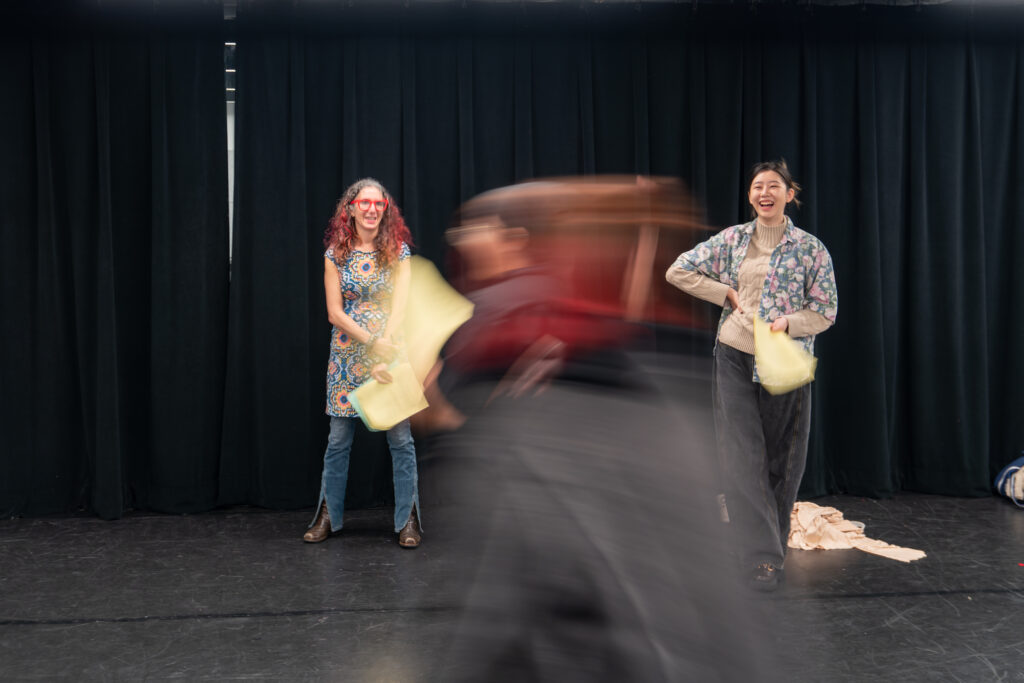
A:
769	195
367	222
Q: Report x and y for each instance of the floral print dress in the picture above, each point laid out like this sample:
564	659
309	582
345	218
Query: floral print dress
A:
366	290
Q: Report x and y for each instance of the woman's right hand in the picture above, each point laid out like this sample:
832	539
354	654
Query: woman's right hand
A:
733	297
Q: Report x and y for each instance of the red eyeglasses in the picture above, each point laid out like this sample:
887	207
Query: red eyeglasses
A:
364	204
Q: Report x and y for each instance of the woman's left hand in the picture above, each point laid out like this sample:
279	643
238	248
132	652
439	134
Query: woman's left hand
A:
781	324
385	349
380	373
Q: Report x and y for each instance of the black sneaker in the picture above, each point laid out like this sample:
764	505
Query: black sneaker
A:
765	577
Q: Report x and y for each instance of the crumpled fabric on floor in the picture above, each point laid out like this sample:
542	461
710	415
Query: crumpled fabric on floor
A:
815	527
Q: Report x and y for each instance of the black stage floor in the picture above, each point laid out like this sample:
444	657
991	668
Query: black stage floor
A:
236	595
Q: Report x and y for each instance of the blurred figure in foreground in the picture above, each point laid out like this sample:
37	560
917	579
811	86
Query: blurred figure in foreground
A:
581	500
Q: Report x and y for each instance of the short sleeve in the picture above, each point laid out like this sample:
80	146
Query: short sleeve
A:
329	255
404	252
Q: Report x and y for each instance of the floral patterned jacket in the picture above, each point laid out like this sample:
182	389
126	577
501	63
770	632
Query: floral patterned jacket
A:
800	275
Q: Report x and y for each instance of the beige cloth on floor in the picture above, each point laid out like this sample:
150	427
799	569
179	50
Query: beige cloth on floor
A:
823	528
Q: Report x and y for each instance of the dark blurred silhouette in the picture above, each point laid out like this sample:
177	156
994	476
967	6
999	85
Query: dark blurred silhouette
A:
579	500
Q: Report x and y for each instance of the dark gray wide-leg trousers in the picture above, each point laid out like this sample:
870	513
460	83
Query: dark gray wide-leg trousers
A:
762	449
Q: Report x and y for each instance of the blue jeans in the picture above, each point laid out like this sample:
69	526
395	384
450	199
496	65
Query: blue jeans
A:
335	476
762	448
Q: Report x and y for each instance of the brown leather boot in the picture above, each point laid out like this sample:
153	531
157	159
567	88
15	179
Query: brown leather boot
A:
409	536
321	528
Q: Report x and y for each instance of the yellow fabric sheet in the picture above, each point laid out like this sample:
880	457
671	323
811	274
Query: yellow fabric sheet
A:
433	311
782	364
382	406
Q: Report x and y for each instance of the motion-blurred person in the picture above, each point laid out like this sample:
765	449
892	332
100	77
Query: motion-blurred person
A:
586	508
769	268
366	281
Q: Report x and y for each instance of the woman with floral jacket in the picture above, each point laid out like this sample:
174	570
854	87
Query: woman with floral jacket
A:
769	268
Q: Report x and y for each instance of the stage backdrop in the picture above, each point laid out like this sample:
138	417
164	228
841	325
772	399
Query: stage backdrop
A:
113	260
906	128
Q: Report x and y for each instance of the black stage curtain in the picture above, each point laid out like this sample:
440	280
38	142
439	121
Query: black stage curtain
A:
130	379
904	126
114	259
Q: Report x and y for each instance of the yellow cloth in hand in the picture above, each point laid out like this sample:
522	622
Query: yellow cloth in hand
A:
782	364
433	311
382	406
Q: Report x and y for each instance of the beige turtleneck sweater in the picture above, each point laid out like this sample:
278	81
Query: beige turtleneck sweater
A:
738	329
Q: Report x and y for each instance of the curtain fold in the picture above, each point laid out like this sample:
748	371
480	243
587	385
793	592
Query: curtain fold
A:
268	398
885	115
115	236
189	270
134	375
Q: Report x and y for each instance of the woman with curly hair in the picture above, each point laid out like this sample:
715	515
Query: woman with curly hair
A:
366	281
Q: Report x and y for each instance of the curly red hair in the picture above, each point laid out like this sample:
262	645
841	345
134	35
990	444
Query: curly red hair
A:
341	230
